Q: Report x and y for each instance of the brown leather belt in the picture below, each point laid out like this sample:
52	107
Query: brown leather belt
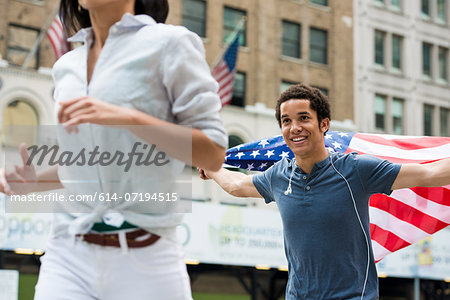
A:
112	239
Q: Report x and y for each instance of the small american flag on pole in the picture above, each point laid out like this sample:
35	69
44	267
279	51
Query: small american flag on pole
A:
396	221
57	38
225	71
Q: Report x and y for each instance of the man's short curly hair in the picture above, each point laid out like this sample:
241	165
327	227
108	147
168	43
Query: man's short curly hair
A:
317	100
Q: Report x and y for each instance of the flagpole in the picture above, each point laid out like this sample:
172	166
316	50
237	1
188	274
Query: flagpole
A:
236	31
41	36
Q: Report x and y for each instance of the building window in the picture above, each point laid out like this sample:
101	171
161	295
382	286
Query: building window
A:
238	98
194	16
396	4
21	40
318	45
234	140
17	119
380	112
285	84
380	37
426	59
231	18
320	2
443	62
441	11
444	122
425	8
379	2
397	51
397	115
427	119
322	90
291	39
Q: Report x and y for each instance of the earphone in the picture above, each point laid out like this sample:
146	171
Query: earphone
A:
360	223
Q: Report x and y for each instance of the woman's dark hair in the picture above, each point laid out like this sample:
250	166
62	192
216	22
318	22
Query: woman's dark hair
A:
74	18
317	100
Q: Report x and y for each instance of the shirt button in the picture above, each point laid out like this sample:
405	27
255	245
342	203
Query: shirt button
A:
114	29
304	177
308	188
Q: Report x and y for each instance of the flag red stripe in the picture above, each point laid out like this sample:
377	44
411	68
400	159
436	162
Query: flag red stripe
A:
386	238
228	94
407	213
227	82
57	38
439	195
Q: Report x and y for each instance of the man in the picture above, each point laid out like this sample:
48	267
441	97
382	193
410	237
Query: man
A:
323	199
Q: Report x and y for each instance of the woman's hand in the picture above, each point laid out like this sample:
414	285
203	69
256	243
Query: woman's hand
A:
91	110
22	179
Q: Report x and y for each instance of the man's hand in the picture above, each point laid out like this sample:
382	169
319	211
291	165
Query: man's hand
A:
234	183
2	181
22	179
203	174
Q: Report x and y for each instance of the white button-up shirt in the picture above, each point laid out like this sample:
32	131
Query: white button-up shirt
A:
155	68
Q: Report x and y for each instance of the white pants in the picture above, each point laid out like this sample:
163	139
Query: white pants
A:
75	270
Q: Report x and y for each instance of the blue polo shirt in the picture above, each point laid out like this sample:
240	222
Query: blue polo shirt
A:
324	244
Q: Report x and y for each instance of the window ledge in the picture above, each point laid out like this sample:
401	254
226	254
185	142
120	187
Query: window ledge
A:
297	1
426	78
441	81
318	65
321	7
33	2
441	23
245	49
291	59
379	68
437	83
397	73
377	4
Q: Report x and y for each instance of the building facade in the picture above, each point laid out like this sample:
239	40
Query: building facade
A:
283	42
402	66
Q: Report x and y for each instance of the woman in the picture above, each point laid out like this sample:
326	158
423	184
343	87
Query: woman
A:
145	76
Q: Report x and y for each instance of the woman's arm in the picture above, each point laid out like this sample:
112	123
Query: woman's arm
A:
190	145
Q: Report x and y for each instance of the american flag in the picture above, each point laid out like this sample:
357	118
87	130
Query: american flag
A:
225	71
396	221
57	38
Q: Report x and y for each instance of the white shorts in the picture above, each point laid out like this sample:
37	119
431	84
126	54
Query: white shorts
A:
73	269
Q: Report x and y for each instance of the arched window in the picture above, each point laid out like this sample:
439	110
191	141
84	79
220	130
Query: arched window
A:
18	119
234	140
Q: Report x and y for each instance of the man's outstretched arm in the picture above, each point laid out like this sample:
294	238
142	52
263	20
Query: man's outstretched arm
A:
426	175
234	183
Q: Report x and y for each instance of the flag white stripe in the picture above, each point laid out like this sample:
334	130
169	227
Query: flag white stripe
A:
379	251
428	207
227	81
220	73
394	137
404	230
225	89
439	152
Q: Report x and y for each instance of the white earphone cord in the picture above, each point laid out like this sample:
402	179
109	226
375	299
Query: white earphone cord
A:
362	227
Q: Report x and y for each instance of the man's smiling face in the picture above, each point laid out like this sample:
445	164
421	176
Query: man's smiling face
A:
301	129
